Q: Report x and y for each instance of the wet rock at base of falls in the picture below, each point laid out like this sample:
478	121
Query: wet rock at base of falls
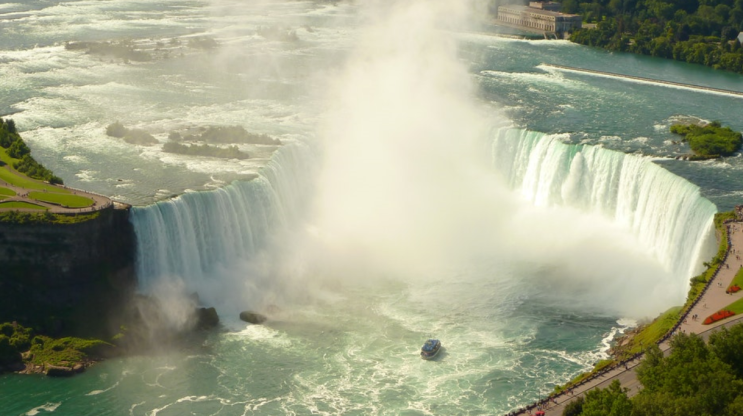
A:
252	317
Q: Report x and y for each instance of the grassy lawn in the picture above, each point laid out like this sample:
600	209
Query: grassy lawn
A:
736	307
655	331
16	179
5	158
2	197
20	205
6	192
66	200
9	175
737	280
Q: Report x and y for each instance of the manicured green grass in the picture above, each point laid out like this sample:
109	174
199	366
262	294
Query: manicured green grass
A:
20	205
737	280
736	307
6	191
66	200
4	157
16	179
9	175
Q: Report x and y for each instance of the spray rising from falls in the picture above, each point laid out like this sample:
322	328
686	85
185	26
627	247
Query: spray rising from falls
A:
189	235
666	212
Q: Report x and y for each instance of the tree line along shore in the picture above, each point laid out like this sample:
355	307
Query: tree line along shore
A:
705	32
695	378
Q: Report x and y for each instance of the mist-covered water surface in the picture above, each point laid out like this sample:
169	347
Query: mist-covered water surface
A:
434	180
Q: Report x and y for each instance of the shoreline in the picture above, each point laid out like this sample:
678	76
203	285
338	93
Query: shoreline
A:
709	299
737	94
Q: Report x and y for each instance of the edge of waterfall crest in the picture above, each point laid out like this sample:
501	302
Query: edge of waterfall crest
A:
665	212
192	233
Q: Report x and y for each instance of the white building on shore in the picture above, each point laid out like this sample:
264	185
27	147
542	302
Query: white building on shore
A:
538	17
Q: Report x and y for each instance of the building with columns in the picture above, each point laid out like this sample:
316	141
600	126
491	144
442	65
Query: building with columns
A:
538	17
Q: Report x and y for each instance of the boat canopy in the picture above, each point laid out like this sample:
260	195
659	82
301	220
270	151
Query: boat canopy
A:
430	345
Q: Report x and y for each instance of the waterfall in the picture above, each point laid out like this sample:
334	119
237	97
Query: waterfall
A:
189	235
665	212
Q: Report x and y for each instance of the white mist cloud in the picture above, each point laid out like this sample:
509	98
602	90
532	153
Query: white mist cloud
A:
406	191
403	180
405	188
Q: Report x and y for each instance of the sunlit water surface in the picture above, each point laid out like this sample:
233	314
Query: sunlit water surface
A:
350	346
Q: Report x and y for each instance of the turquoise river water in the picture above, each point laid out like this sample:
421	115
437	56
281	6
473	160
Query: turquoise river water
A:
434	180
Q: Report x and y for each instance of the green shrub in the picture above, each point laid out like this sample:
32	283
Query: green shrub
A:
710	140
17	217
574	408
64	351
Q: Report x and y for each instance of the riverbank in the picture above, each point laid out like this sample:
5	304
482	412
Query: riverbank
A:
709	299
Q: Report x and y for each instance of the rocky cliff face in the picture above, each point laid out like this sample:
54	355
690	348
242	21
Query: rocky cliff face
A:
67	278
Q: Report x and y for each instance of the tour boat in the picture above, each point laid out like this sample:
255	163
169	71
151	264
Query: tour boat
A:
430	349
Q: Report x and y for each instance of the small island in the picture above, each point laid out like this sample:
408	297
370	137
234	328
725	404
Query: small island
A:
197	141
131	136
709	141
230	152
222	135
128	50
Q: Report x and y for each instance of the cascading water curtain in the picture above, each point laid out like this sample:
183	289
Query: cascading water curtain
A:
188	235
666	212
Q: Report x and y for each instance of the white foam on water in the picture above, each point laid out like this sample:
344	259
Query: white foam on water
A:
47	407
258	333
97	392
87	175
543	78
698	89
159	373
610	139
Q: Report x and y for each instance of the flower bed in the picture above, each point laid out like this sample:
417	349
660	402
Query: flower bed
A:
733	289
719	315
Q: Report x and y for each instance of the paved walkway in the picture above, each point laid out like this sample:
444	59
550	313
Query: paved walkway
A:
99	201
711	301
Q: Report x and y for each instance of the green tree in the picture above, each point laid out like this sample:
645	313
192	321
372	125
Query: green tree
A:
735	408
18	149
574	408
727	345
612	401
690	378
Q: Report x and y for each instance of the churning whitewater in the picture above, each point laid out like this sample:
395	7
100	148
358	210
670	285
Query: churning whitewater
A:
352	343
398	208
